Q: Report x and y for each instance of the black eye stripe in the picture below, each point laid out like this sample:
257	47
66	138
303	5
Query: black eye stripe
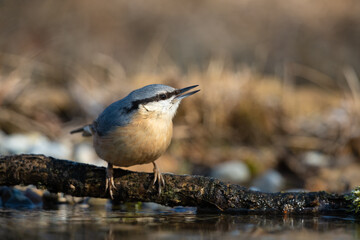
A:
159	97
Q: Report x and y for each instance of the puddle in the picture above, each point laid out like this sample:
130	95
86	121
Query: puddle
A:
99	222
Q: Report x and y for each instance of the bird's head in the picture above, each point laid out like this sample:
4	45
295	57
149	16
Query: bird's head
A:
159	99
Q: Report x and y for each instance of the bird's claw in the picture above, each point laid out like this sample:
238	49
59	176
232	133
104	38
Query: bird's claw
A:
158	177
109	184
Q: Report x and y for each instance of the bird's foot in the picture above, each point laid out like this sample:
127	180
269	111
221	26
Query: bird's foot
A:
158	177
110	181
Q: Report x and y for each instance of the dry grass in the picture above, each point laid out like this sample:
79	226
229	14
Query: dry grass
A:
234	106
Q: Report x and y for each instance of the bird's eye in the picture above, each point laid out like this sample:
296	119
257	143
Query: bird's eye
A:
162	96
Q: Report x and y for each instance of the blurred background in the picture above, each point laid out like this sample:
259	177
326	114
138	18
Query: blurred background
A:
279	101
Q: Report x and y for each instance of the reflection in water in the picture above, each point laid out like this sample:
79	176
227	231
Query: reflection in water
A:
75	222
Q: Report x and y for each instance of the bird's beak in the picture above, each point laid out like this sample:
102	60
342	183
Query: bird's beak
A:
183	90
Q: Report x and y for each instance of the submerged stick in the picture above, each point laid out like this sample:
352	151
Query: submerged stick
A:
84	180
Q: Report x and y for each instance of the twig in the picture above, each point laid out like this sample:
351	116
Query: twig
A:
78	179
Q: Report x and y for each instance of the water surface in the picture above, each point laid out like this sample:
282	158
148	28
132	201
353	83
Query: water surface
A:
139	221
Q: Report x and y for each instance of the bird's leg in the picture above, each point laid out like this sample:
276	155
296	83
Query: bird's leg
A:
110	180
158	177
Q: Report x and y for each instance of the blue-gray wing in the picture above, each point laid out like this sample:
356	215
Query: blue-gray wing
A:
116	114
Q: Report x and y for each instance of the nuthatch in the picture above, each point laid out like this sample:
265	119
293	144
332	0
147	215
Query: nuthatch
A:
136	129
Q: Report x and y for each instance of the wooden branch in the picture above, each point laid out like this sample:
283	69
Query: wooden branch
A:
83	180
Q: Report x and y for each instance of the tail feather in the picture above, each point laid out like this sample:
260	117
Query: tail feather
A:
77	130
86	130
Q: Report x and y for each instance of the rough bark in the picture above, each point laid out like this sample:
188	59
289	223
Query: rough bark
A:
78	179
